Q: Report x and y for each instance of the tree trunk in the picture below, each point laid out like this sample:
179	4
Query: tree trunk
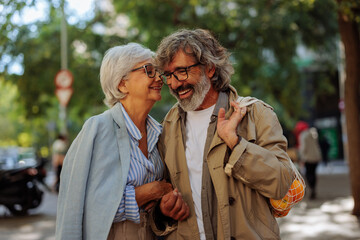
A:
350	37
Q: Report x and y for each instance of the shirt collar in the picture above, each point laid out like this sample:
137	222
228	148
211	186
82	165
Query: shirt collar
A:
154	128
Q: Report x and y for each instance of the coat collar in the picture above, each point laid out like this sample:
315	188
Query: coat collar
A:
117	115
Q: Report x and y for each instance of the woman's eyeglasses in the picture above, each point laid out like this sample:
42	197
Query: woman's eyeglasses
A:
149	70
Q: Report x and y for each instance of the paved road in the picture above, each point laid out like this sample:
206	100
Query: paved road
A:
38	225
327	218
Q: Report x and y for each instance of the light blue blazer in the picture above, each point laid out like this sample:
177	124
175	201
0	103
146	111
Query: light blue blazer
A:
93	178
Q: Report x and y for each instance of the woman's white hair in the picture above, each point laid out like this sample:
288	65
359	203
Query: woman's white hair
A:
116	64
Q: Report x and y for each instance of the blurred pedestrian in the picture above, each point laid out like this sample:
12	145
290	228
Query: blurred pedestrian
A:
59	149
310	154
299	128
112	172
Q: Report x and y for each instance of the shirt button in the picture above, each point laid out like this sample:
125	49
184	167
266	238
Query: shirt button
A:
231	201
213	118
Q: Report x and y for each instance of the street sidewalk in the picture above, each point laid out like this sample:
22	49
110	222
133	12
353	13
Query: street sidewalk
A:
326	218
329	216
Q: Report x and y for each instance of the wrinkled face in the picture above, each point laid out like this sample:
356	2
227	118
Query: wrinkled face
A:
142	83
192	91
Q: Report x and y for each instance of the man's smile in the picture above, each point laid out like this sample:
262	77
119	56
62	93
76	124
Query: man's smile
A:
184	92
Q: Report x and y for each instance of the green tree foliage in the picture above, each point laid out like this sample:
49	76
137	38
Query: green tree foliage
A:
263	37
37	46
11	113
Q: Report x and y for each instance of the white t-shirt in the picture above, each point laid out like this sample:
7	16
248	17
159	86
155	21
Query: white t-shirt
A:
197	123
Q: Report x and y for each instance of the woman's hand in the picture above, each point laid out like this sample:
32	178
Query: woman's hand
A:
151	191
226	128
161	188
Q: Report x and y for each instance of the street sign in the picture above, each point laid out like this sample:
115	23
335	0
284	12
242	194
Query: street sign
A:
63	83
63	79
64	95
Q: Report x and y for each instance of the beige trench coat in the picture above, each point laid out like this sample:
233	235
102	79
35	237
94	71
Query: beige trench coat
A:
260	171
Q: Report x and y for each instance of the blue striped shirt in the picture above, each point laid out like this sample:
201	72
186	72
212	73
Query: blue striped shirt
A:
142	170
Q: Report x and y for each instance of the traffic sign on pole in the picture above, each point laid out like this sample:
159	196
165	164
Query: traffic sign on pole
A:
63	79
64	95
63	83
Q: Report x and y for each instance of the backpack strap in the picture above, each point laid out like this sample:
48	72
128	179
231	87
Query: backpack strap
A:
247	101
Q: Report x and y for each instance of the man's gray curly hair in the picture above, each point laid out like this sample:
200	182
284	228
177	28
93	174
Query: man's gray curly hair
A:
201	45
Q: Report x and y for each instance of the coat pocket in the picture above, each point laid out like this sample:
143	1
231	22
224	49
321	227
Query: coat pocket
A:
263	230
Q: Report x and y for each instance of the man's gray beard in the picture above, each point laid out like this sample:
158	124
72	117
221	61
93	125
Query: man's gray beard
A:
200	90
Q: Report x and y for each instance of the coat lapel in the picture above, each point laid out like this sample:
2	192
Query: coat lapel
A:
175	150
217	140
176	162
122	140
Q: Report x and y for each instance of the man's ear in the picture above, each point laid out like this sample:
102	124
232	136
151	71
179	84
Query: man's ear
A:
122	87
210	72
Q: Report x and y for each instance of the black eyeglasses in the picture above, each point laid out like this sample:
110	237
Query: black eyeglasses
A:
181	74
149	70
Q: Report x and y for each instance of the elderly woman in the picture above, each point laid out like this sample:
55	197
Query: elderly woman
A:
112	172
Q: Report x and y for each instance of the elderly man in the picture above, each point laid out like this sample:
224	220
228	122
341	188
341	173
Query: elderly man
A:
224	153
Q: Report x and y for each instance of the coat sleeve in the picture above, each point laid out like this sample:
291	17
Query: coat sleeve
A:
263	164
74	176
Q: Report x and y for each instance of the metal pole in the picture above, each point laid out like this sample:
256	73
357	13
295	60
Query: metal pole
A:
64	64
342	76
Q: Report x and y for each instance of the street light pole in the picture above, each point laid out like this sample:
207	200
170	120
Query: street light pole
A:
64	65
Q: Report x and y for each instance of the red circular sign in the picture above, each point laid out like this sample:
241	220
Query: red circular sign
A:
63	79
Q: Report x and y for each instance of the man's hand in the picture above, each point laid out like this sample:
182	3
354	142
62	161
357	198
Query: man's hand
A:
172	205
226	128
148	193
